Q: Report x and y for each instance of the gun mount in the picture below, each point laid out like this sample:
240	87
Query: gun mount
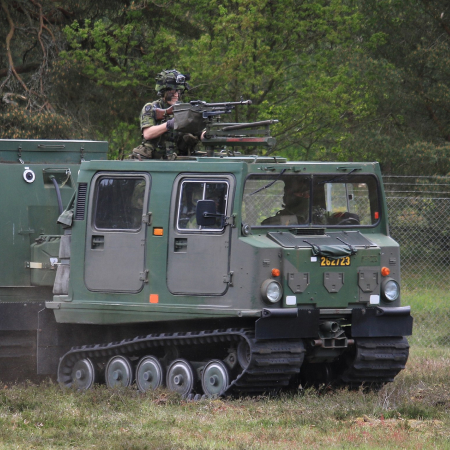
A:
198	116
238	134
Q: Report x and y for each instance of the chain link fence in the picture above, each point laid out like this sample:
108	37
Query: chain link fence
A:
419	218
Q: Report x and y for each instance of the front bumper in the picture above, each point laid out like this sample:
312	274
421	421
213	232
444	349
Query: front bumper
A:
296	323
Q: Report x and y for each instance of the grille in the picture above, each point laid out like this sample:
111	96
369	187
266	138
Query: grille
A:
81	201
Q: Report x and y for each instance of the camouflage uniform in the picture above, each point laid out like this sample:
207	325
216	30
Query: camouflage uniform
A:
161	147
170	143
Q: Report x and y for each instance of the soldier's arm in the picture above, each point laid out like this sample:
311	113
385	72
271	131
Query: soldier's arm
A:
150	129
154	131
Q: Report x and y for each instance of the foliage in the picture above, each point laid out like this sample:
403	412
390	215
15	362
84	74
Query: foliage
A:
25	111
408	71
18	123
245	48
360	80
281	62
120	54
119	139
34	79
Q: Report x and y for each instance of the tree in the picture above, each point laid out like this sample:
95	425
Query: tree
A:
234	49
46	96
288	57
407	61
118	56
29	31
358	80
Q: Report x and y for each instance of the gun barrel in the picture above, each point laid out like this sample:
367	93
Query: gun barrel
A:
220	105
240	126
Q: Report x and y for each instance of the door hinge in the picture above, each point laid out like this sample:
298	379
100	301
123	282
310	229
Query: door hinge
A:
19	155
25	232
231	221
147	218
143	276
228	278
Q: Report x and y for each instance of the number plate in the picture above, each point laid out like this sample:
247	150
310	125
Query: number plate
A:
345	261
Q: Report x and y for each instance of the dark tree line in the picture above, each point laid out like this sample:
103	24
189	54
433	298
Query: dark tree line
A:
347	79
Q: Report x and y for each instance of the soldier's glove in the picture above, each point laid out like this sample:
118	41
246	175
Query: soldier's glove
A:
170	123
190	140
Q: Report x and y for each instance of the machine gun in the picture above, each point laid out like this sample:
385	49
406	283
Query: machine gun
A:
198	116
214	109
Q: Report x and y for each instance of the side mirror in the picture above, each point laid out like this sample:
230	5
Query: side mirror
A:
206	213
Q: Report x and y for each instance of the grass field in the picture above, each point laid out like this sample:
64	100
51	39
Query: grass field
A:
431	311
411	413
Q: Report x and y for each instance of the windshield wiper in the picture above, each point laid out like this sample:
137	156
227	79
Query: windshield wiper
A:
270	184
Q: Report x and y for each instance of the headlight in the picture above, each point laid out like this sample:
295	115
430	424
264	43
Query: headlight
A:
271	291
391	290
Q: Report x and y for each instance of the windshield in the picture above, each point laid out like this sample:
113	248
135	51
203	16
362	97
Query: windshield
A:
311	200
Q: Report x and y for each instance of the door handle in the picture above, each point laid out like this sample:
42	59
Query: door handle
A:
180	245
98	242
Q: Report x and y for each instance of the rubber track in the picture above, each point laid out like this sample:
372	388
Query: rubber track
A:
270	367
377	360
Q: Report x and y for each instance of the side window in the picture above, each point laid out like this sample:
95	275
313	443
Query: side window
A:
191	191
119	203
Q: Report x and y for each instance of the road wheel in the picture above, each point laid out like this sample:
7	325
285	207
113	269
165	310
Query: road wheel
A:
84	374
149	374
181	377
215	378
119	372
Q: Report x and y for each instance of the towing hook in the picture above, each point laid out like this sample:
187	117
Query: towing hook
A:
329	327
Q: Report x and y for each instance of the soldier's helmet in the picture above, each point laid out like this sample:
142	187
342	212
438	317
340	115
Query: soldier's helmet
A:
171	79
296	190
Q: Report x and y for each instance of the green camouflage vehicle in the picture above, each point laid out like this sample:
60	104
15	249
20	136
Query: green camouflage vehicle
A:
38	179
210	275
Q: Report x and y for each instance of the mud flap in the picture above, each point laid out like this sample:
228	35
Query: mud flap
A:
287	324
382	322
47	357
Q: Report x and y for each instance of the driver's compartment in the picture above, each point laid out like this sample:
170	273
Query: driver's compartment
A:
311	200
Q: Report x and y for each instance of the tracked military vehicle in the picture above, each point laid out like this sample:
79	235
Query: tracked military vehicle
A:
38	179
215	274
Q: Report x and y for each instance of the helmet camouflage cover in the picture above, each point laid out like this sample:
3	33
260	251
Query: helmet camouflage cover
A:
171	79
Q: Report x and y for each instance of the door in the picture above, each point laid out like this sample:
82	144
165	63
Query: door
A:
198	256
116	232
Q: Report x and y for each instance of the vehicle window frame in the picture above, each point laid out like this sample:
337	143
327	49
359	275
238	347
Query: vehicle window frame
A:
178	206
344	180
340	178
118	176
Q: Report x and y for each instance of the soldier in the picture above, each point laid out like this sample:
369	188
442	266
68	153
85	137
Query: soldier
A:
295	204
161	141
